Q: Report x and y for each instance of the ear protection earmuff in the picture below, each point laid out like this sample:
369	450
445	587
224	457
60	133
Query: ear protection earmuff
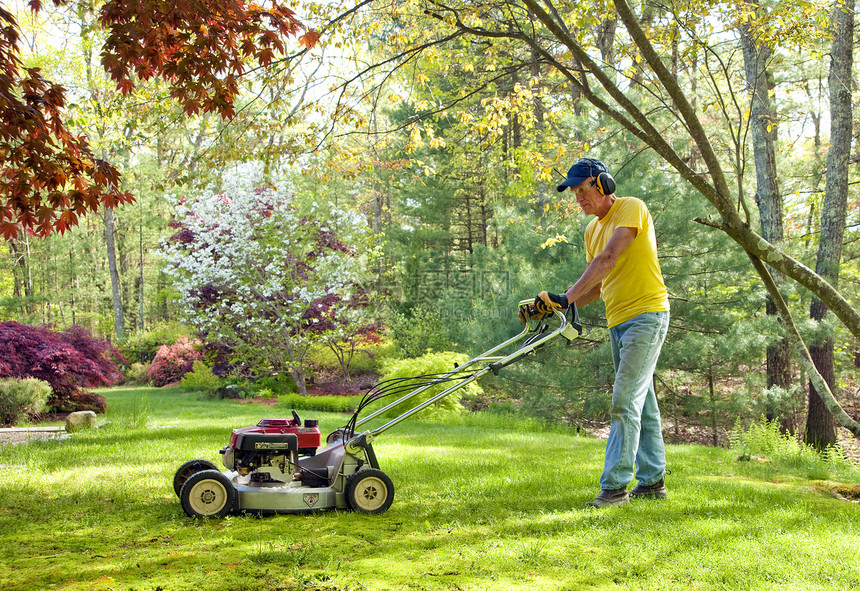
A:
604	181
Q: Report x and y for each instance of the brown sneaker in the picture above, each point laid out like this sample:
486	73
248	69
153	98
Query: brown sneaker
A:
649	491
610	498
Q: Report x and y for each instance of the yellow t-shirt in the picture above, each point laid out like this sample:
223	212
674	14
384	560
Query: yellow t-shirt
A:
635	285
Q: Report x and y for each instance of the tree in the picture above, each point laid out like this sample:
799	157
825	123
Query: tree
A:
63	279
647	100
344	328
50	176
119	319
763	127
819	424
257	277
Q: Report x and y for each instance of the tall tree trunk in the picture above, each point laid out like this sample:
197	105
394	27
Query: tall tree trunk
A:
484	214
73	284
537	102
469	223
160	287
769	201
124	268
15	258
820	431
45	304
712	398
118	319
140	286
20	250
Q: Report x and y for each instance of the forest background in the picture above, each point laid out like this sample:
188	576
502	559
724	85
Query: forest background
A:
445	128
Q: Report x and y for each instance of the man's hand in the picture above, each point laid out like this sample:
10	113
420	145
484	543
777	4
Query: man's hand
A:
546	304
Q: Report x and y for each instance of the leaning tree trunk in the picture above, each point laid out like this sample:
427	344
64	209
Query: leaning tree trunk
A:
820	431
764	133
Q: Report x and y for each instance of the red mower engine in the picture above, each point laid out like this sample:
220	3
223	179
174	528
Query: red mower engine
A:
270	450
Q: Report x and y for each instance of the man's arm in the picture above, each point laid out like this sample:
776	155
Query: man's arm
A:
588	297
587	288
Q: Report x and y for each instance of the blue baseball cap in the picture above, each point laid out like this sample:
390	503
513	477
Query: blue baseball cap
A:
584	168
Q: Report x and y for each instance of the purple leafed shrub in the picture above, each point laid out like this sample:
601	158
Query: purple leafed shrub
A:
69	361
174	361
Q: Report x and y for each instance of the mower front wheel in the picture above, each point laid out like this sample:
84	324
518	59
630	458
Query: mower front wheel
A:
208	494
189	469
369	491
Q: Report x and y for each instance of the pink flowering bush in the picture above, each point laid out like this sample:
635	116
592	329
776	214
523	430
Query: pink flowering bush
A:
174	361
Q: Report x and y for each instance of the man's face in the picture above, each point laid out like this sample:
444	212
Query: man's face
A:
587	196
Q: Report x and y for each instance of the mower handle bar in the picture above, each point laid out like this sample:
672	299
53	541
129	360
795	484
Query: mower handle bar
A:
567	328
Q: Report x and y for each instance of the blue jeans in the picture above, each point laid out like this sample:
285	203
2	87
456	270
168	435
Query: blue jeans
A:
636	436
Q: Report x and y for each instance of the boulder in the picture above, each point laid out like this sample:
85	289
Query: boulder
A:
82	419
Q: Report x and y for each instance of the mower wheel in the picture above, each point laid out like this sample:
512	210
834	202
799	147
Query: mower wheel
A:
208	494
189	469
369	491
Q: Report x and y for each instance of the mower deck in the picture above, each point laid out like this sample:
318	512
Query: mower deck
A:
279	497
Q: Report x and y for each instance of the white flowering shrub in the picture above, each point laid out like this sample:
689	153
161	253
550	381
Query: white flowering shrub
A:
259	279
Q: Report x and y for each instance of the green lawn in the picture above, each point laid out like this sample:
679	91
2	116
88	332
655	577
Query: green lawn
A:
482	502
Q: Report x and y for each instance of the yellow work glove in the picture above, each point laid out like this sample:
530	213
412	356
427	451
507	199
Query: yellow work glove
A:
547	303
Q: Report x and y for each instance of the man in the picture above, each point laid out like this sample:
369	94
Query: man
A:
621	252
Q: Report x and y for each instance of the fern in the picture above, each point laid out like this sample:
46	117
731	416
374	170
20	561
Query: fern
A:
764	439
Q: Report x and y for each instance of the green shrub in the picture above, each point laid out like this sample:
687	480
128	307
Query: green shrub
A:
278	384
265	394
419	331
321	403
136	374
507	408
429	364
368	358
200	378
21	399
141	347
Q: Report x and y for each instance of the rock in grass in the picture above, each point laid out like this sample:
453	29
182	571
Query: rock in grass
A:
82	419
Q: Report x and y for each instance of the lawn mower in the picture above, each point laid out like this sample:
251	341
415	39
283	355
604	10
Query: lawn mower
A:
279	466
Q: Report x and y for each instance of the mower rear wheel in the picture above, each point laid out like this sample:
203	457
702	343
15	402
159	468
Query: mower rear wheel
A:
208	494
189	469
369	491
